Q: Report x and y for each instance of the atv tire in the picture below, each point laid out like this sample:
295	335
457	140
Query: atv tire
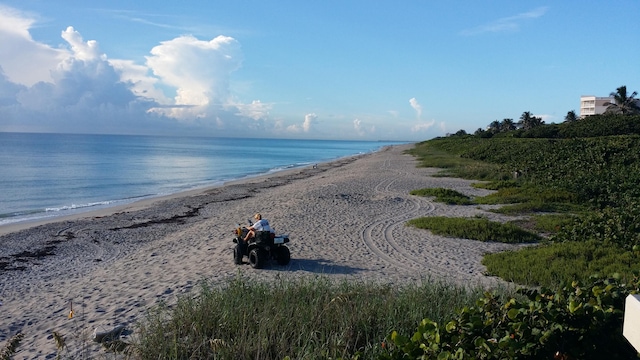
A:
283	255
256	258
237	254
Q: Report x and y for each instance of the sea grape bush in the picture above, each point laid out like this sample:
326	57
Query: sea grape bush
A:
601	171
618	226
575	322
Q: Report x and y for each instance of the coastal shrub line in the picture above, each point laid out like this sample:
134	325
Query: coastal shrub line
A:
570	188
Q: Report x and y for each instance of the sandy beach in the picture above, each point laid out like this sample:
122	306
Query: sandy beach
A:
345	219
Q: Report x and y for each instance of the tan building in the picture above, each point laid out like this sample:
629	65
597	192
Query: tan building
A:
593	105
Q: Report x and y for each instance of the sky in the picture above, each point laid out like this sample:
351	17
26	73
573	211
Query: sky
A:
406	70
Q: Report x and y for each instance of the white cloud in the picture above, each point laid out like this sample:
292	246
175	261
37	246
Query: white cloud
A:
309	119
142	84
306	126
422	126
361	129
199	70
24	60
256	110
86	51
78	89
417	107
510	23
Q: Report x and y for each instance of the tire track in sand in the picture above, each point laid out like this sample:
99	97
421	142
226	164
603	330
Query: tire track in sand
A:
378	236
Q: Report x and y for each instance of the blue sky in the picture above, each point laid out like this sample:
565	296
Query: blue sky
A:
370	70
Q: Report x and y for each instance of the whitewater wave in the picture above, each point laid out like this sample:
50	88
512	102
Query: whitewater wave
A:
79	206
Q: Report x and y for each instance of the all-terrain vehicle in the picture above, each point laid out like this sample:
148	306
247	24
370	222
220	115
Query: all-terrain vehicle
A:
264	246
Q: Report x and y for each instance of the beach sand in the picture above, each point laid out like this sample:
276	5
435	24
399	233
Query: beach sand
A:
346	220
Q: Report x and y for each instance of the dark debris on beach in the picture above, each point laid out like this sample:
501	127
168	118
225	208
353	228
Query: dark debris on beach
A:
27	248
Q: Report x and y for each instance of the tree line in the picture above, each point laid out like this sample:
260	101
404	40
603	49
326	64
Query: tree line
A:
623	104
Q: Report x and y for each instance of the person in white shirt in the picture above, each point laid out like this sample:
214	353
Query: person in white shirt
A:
260	225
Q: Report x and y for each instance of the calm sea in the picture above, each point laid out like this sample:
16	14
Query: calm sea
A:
49	175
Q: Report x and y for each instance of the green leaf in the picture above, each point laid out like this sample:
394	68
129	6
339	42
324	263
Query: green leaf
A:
451	326
596	290
513	314
574	306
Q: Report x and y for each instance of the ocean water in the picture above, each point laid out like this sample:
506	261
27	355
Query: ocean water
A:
50	175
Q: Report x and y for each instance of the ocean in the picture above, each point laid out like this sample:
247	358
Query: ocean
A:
50	175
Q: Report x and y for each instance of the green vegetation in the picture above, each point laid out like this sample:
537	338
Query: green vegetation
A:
305	319
446	196
575	322
475	229
576	181
589	183
553	264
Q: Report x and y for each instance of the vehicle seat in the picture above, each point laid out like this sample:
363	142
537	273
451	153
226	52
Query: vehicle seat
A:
264	236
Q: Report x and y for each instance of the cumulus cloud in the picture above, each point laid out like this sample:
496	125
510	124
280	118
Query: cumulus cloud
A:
361	129
309	120
422	126
306	126
23	60
84	79
141	83
185	83
199	70
417	107
257	110
509	23
85	51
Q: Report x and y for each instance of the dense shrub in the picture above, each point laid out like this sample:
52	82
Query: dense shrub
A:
619	226
574	322
600	125
600	171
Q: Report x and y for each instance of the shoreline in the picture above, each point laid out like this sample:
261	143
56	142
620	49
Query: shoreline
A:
345	218
150	201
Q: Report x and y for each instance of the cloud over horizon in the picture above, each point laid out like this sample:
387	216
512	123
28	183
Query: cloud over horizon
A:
77	88
183	85
417	107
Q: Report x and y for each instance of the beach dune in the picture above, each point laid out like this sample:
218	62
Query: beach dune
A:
346	220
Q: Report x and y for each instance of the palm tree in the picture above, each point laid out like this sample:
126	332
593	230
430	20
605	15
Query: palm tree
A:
507	125
623	104
494	127
571	116
528	121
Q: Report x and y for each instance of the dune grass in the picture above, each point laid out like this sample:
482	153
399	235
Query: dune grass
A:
552	264
303	319
9	349
443	195
475	229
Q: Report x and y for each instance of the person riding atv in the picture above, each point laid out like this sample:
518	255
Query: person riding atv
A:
260	225
259	242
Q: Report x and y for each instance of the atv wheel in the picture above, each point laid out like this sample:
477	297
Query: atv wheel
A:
237	254
256	258
283	256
